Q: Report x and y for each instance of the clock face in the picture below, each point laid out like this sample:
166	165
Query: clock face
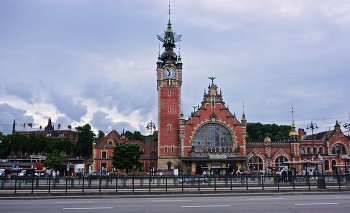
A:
169	73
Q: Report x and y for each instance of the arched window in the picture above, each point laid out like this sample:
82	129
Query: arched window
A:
302	150
334	164
308	150
213	135
280	160
338	149
326	165
257	163
321	151
315	150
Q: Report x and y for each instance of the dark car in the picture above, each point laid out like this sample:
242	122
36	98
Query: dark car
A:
194	179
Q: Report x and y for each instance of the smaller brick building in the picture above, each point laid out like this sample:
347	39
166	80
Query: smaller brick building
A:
103	151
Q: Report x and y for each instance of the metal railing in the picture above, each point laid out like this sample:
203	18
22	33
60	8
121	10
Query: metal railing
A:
172	183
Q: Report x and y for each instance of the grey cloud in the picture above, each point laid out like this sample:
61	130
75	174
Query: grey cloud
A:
65	104
8	114
100	121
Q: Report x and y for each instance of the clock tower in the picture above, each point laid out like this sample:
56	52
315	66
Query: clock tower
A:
169	81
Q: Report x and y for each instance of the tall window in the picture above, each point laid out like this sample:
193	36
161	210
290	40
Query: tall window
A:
165	149
302	150
172	149
104	154
169	127
321	150
308	150
257	163
326	165
315	150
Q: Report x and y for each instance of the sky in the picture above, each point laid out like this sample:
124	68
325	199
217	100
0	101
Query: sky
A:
94	62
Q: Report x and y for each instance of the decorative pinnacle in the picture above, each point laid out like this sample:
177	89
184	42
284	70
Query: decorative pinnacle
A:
212	79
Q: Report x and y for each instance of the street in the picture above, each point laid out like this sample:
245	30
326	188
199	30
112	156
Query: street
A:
246	204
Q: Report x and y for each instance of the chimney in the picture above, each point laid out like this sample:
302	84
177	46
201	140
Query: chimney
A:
30	124
302	134
59	126
69	127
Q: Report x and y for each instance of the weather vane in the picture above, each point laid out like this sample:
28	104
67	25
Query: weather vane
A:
212	79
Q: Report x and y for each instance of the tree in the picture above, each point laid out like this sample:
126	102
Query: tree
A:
32	143
101	134
137	135
126	156
5	145
54	160
85	139
129	135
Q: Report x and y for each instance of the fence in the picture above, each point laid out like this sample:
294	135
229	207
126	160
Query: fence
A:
172	183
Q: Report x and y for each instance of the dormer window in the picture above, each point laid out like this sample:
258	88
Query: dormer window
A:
212	104
110	144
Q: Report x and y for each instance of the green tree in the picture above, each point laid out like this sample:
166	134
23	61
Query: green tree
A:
101	134
126	156
54	160
85	139
5	145
67	145
40	144
32	143
137	135
129	135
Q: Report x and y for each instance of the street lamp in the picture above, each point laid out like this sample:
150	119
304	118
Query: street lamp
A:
312	126
150	126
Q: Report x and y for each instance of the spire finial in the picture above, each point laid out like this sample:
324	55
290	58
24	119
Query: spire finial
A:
212	79
169	10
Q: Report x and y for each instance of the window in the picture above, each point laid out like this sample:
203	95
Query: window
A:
280	161
104	154
110	143
213	135
338	149
326	165
308	150
169	109
169	127
169	167
315	150
103	167
212	104
169	83
165	149
172	149
321	151
302	150
142	167
334	163
61	135
48	135
256	164
169	93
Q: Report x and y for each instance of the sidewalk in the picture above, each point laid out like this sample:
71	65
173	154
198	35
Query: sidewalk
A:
9	195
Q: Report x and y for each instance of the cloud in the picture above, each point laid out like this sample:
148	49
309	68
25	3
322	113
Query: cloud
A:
8	114
74	109
102	121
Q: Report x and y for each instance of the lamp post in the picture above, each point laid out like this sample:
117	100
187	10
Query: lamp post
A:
312	126
150	126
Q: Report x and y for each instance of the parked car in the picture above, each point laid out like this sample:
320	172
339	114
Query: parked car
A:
194	179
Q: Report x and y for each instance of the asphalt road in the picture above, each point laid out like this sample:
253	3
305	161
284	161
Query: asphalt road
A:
246	204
